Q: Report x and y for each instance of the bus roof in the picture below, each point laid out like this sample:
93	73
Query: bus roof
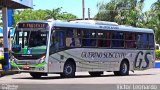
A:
101	25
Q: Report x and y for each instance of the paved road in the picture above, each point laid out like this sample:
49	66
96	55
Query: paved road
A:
82	79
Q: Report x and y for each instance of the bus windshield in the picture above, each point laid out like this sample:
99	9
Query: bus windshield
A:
30	42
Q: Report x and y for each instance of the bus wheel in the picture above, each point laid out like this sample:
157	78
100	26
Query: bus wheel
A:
69	70
96	74
36	75
124	69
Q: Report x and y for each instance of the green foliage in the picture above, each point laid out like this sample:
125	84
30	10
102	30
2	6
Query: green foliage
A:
154	21
30	14
57	14
129	12
157	54
107	11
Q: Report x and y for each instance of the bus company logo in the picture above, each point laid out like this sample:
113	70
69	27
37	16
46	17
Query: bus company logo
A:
109	27
103	55
29	51
139	58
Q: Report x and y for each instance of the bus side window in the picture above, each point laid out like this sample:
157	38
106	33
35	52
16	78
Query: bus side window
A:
117	39
61	36
73	38
57	40
77	37
103	39
54	43
143	41
89	38
130	40
69	36
151	41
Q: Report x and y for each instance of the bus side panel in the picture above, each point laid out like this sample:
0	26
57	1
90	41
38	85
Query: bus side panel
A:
55	63
144	59
84	63
97	59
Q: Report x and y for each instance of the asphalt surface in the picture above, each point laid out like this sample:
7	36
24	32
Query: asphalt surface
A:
83	81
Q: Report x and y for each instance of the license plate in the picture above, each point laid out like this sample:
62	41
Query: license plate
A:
26	67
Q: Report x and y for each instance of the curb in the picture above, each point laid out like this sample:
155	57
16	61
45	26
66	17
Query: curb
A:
157	64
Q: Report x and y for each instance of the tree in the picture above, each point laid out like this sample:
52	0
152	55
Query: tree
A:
127	12
30	14
155	20
107	11
68	16
54	13
57	14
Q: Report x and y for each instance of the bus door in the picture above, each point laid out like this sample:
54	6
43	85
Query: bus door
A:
57	44
57	41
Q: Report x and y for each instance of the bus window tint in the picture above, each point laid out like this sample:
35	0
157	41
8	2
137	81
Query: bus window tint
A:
77	38
92	34
89	38
69	36
60	38
130	40
37	38
151	41
142	41
103	39
117	39
73	38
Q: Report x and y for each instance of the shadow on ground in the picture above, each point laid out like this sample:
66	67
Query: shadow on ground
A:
82	76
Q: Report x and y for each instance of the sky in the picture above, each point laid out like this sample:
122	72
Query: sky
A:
75	6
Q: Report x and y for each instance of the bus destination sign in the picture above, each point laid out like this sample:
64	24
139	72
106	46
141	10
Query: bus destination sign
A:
32	25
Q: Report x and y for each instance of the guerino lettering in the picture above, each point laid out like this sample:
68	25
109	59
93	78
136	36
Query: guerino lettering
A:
102	55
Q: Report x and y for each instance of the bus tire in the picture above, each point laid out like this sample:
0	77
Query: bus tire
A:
96	74
36	75
69	70
124	69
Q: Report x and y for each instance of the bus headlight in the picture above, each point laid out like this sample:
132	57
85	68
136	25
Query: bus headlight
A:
42	59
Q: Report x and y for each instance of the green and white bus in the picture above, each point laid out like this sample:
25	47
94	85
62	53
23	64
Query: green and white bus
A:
58	47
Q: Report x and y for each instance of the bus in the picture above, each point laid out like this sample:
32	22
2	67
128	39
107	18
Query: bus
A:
66	47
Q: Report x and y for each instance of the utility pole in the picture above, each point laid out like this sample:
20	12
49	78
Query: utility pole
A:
89	13
83	10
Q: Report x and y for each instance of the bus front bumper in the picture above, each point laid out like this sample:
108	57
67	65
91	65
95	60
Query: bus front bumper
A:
28	68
